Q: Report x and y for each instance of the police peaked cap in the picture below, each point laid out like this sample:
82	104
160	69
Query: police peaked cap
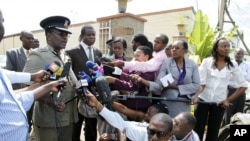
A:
57	22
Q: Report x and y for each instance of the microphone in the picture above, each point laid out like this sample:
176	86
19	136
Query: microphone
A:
63	76
113	70
104	92
92	66
82	84
95	69
52	69
105	59
83	75
66	70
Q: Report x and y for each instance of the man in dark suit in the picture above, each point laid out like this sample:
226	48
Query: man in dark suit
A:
79	56
16	58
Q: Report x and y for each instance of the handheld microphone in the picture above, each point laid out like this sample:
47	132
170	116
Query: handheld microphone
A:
52	69
95	69
113	70
64	75
66	70
82	84
105	59
92	66
84	76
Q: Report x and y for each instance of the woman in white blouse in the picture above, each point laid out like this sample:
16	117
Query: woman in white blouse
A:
215	73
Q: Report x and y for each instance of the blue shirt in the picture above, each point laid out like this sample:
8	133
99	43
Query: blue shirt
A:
13	107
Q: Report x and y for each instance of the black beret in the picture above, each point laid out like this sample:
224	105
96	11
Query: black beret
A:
57	22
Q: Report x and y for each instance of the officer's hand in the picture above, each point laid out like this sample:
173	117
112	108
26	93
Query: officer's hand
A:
59	106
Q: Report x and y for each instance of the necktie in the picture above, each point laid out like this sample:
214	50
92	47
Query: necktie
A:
90	55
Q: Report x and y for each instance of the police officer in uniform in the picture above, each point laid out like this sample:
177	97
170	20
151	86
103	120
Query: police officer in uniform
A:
52	117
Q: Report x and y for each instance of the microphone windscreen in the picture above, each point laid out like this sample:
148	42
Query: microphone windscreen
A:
58	63
66	69
53	67
91	65
109	69
46	67
83	75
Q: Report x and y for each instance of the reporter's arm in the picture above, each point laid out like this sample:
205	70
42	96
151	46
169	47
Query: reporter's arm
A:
45	89
28	88
128	112
17	77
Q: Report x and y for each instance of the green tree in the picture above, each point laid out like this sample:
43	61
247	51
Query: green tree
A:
201	38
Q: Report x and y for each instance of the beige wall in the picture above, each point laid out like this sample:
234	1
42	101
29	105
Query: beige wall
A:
158	22
166	23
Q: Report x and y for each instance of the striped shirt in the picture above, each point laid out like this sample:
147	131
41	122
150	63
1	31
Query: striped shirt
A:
13	107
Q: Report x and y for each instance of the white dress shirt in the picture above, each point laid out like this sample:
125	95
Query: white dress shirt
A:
135	131
245	71
191	136
216	81
86	49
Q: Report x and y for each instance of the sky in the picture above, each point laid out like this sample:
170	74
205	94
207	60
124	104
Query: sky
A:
26	14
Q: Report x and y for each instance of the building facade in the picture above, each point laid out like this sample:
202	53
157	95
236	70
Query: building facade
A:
123	24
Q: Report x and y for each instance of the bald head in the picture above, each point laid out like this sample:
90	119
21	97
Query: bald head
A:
239	49
160	127
1	26
27	39
163	118
239	55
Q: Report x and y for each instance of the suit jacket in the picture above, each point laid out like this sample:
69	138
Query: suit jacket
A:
16	59
44	114
189	88
79	58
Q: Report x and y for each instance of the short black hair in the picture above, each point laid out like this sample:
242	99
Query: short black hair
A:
146	50
83	30
121	40
143	40
162	108
165	38
190	119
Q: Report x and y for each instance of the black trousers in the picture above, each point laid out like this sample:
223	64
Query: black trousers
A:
212	116
90	131
29	117
77	128
238	106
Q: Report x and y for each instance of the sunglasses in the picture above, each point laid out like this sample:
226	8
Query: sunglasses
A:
159	134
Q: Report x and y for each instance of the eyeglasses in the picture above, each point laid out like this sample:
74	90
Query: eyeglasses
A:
159	134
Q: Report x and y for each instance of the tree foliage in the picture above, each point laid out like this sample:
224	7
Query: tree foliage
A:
202	36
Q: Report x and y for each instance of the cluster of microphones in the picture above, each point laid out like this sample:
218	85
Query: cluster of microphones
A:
84	82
